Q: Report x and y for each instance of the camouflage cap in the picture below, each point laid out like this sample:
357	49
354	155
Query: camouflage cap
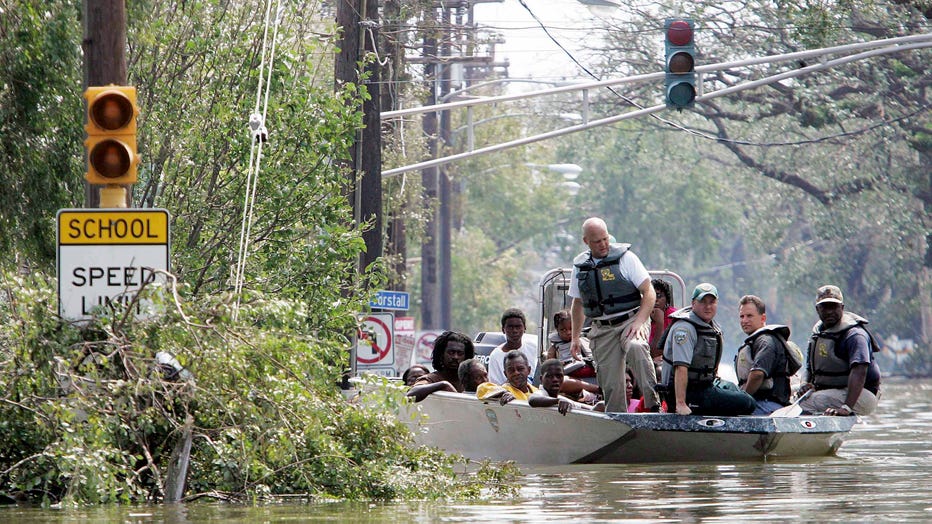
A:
829	294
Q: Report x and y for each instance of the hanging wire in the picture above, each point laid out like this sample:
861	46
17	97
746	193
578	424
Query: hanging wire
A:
258	135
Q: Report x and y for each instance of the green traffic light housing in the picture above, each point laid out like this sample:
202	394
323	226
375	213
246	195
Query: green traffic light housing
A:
680	63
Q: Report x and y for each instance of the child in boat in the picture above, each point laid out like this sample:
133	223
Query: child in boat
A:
551	382
560	342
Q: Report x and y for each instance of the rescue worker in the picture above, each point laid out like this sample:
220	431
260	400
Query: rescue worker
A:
692	351
841	366
762	361
612	287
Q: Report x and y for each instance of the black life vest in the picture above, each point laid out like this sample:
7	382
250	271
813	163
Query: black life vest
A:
603	289
706	355
828	367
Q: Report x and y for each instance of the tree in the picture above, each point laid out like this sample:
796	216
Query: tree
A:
847	149
41	124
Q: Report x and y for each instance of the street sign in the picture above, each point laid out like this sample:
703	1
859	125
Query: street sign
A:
424	347
404	343
106	255
397	300
374	342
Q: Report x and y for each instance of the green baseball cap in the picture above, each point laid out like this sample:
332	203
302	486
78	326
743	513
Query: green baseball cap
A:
704	289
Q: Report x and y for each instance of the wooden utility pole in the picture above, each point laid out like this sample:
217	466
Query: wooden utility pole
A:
445	244
430	181
365	185
392	55
104	61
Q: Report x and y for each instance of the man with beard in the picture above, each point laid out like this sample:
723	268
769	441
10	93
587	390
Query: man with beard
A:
450	349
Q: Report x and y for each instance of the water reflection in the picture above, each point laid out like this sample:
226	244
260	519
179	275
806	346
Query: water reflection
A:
881	473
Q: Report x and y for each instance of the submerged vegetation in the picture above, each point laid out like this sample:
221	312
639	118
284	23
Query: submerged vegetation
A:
88	415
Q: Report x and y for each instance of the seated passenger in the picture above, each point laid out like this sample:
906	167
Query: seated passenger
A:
692	350
635	398
517	370
472	373
551	380
660	317
450	348
561	341
410	376
514	323
632	393
762	363
580	390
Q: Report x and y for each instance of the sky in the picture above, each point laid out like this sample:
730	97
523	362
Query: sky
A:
530	52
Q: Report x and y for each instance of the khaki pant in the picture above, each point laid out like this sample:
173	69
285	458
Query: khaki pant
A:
611	358
823	399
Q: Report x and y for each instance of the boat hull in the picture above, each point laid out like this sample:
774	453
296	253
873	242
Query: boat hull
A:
480	430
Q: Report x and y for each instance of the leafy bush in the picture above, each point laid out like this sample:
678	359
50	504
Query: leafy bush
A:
89	416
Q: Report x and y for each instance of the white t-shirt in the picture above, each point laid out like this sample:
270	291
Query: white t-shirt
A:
497	363
629	266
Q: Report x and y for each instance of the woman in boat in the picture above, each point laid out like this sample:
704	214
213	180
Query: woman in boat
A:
410	376
660	317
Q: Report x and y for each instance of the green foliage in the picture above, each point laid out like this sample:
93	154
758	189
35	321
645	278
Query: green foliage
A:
41	124
89	417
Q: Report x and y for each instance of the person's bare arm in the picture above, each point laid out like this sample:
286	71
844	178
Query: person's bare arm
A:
539	400
856	380
419	393
574	386
579	317
755	379
680	381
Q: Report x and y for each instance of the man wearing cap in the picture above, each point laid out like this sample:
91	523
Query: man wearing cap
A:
611	286
692	351
841	366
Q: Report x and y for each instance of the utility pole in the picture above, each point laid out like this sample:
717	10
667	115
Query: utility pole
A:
438	188
365	179
445	244
430	286
393	57
104	48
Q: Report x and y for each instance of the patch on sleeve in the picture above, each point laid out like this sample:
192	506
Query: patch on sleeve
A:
679	336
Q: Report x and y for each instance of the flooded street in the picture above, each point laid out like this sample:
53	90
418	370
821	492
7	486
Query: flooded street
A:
881	473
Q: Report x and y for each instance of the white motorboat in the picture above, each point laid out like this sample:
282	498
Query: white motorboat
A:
462	424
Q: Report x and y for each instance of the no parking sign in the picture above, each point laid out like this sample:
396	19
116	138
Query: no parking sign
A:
374	342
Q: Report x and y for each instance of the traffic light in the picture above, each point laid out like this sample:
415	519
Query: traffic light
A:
680	51
111	135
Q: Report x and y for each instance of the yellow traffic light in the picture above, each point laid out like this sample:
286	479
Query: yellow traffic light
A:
111	135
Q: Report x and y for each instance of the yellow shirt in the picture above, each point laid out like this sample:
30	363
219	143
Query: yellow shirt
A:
488	389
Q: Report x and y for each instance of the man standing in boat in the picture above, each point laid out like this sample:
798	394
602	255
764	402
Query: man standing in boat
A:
841	365
762	361
692	350
612	287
